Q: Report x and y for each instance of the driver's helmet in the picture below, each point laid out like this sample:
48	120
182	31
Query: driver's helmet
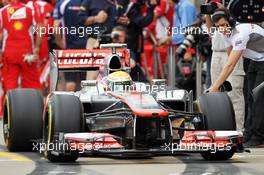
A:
119	81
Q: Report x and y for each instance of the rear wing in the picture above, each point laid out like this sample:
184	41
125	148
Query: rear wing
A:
75	60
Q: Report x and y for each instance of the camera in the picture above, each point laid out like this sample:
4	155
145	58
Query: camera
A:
187	43
211	6
208	8
195	36
115	35
107	38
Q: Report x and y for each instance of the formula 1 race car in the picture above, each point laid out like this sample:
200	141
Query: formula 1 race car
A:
114	116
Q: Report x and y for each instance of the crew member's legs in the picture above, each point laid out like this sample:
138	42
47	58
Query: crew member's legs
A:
72	78
236	95
236	79
237	98
10	74
247	133
258	106
254	123
251	83
29	76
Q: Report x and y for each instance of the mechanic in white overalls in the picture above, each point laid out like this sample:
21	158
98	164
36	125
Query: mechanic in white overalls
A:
244	40
219	57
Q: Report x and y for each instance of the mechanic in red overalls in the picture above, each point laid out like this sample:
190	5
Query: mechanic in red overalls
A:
19	53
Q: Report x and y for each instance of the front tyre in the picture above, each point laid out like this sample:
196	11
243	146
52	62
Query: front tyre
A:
219	115
218	110
63	114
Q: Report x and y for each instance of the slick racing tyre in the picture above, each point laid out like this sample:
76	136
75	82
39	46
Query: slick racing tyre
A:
63	115
219	115
218	110
22	119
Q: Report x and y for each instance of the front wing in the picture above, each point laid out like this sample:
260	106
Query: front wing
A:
105	144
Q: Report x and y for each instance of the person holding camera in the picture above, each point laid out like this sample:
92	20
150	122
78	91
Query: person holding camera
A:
219	57
244	40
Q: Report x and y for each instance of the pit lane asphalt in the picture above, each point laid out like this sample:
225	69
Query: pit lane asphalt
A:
190	164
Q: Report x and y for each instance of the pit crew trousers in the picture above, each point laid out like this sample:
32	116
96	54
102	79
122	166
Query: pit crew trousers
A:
255	119
236	79
13	70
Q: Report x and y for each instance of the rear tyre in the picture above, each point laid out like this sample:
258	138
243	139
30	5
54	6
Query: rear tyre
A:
63	114
218	110
22	119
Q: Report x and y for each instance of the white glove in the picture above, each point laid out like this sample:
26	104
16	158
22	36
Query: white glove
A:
30	58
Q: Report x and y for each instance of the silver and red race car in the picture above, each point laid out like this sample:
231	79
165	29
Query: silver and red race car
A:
114	116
